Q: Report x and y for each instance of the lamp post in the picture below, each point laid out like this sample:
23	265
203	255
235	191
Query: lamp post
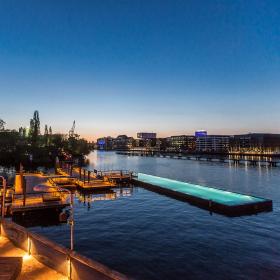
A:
3	196
71	222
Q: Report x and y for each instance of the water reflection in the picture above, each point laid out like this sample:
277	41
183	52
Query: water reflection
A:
46	218
89	197
54	217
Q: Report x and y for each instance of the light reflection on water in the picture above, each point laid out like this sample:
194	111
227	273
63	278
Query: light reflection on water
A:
151	236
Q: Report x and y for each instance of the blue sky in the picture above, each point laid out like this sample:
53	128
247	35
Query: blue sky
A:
125	66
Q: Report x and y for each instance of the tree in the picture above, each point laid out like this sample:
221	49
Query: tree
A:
34	130
46	135
36	123
46	130
50	135
2	125
15	145
22	132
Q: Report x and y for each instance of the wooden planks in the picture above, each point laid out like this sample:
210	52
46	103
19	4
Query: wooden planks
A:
10	267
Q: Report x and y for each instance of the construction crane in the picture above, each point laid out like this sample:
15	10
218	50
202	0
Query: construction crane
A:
72	130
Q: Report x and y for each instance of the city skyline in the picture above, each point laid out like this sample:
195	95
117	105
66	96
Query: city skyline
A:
194	134
170	67
91	137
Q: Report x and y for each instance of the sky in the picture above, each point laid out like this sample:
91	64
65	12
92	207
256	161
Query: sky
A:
122	67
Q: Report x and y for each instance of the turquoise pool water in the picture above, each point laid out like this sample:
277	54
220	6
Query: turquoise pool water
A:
207	193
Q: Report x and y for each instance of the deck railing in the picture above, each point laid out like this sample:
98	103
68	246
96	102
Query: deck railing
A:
36	198
63	260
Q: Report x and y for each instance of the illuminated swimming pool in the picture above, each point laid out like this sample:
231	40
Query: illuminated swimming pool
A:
215	198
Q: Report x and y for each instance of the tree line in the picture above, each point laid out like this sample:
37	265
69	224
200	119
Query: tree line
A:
32	148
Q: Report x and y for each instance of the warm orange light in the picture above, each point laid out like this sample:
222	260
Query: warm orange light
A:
69	268
26	257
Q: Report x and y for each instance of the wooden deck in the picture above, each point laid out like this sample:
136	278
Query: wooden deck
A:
96	185
30	268
10	267
81	178
86	180
54	198
85	183
40	205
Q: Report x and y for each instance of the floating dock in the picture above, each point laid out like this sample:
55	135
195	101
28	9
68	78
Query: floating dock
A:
33	200
77	177
213	199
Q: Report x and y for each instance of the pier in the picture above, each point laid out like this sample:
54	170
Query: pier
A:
33	192
40	192
86	179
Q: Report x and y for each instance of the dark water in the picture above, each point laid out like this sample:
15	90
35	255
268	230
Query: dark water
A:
150	236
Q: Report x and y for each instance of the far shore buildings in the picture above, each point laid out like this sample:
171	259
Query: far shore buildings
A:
212	143
256	142
181	143
199	142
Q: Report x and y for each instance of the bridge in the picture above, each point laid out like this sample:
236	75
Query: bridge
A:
222	158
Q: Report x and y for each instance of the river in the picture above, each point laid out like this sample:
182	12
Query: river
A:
151	236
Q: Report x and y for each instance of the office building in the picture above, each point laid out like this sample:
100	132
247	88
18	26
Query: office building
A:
212	143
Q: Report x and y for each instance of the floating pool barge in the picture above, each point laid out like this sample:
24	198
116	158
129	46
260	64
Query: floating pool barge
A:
215	200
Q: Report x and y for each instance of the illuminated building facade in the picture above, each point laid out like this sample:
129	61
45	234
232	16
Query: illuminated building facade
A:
123	142
181	143
256	142
104	143
200	133
212	143
146	135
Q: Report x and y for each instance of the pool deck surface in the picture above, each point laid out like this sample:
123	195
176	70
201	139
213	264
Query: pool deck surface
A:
31	268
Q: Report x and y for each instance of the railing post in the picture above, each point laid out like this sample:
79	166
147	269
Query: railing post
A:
69	267
28	245
24	190
84	176
3	196
88	176
72	223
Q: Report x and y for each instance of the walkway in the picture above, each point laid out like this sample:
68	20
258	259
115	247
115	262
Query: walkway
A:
31	268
